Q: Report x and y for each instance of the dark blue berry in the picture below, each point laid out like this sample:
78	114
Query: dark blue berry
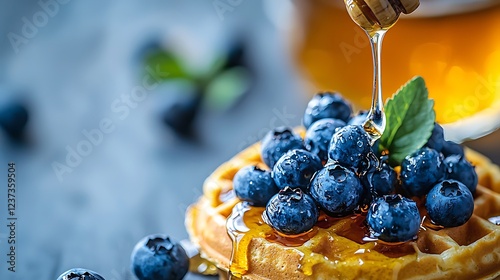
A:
458	168
155	257
319	135
291	211
254	185
80	274
436	141
421	170
182	112
337	190
381	180
449	203
452	148
359	118
277	142
350	146
393	218
295	169
13	119
327	105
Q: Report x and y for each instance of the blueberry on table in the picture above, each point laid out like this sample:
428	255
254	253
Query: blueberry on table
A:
181	114
452	148
291	212
327	105
436	141
295	169
156	257
393	218
13	119
380	181
449	203
277	142
421	170
80	274
337	190
254	185
319	135
350	146
458	168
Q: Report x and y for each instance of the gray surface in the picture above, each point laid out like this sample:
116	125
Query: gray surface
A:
141	178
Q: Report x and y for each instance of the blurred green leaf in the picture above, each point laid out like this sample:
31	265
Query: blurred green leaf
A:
226	88
165	65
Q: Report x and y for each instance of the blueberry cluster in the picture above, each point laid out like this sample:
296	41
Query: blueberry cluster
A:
336	170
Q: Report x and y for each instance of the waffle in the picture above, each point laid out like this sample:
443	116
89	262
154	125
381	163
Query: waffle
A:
334	248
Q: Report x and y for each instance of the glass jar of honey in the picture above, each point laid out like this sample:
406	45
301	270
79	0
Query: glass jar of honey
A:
453	44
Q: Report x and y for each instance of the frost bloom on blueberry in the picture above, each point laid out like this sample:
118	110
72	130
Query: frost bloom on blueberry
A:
450	204
155	257
319	134
80	274
421	170
277	142
350	146
337	190
327	105
295	169
254	185
291	212
393	218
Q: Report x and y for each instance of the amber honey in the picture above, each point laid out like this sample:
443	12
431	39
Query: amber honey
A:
458	55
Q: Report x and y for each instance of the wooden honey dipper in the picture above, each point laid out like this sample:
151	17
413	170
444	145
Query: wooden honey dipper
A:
379	14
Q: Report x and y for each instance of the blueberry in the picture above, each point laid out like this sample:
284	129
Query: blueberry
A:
421	170
13	119
277	142
291	211
359	118
337	190
393	218
436	141
327	105
458	168
254	185
155	257
295	169
319	135
180	115
380	181
449	203
80	274
452	148
350	146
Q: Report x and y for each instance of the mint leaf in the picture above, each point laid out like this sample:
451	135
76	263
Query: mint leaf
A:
166	65
410	119
227	88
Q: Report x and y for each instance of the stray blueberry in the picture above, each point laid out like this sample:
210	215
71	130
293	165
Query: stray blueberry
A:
80	274
180	115
337	190
393	218
380	181
254	185
277	142
359	118
350	146
449	203
155	257
291	212
452	148
327	105
295	169
319	135
458	168
421	170
436	141
13	119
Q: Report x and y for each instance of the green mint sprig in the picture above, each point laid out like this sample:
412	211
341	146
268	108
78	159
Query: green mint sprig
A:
410	119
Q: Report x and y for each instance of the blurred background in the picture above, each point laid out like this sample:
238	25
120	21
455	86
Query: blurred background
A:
114	112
